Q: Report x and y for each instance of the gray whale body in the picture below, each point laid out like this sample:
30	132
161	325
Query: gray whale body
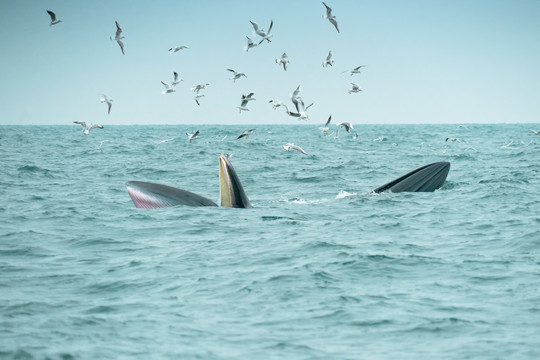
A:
424	179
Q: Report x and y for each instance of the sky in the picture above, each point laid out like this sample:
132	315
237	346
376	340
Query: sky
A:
428	62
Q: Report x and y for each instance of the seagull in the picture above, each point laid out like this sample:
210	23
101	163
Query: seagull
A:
199	87
535	132
105	99
301	115
192	137
196	89
197	97
177	48
330	17
451	139
275	104
325	128
87	128
236	75
355	135
245	100
296	99
284	60
329	60
265	35
54	21
101	144
348	126
168	88
245	133
250	43
118	37
176	80
355	88
356	70
291	146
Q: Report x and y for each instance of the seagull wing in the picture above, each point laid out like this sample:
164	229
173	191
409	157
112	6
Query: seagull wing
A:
82	123
328	121
118	29
270	28
328	10
334	22
121	44
109	104
298	148
52	15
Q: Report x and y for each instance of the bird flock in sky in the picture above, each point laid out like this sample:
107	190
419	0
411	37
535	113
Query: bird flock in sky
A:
297	110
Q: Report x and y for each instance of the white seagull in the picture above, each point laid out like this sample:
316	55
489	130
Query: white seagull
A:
284	61
275	104
291	146
168	88
535	132
347	125
355	88
177	48
87	128
326	128
330	17
244	101
54	21
118	37
356	70
329	60
265	35
196	89
236	75
105	99
245	133
250	43
192	137
176	79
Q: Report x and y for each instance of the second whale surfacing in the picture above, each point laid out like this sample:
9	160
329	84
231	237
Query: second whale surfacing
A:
151	195
424	179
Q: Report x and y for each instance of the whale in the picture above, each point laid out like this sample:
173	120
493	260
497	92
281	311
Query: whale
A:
148	195
427	178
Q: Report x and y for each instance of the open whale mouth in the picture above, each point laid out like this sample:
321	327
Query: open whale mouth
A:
149	195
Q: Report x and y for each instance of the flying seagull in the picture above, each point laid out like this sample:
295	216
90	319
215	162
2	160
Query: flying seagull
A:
275	104
355	88
236	75
356	70
245	133
330	17
347	125
291	146
250	43
535	132
118	37
265	35
244	101
168	88
196	89
54	21
87	128
284	61
326	128
176	79
192	137
177	48
329	60
105	99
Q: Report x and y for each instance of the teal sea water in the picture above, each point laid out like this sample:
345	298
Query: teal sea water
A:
317	269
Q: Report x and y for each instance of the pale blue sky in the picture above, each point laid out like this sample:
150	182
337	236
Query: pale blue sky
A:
428	61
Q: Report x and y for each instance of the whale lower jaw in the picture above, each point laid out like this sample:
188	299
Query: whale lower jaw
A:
424	179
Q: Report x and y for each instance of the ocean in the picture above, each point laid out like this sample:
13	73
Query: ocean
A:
319	268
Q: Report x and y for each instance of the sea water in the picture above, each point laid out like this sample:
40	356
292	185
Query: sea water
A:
319	268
